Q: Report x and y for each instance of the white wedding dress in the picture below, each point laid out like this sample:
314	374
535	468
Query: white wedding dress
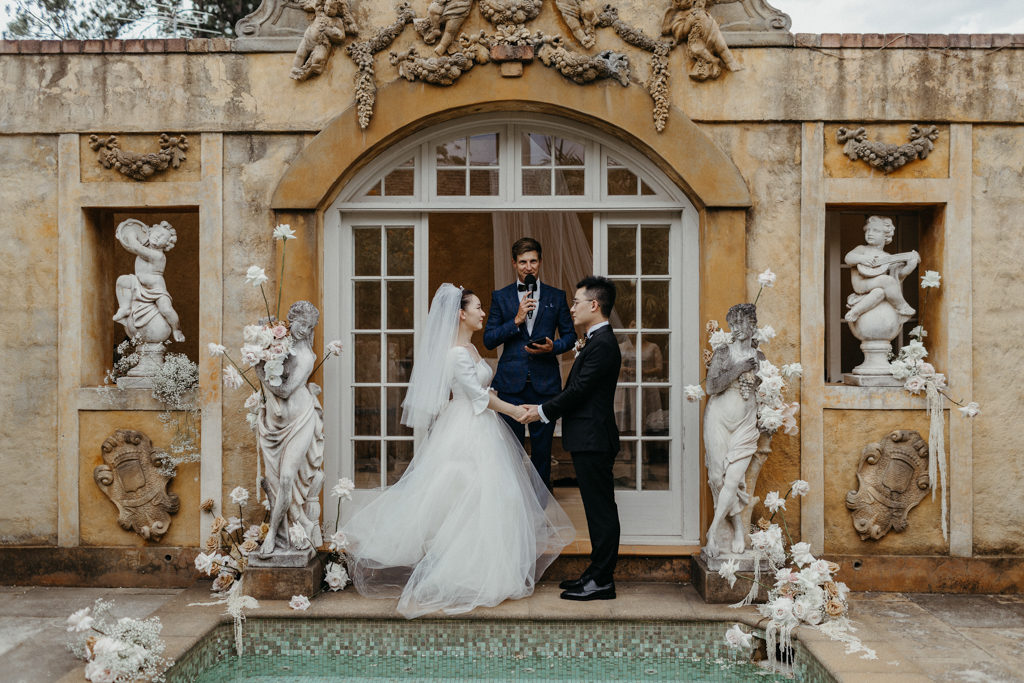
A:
465	525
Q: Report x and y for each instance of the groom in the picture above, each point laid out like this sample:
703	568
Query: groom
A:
590	433
524	317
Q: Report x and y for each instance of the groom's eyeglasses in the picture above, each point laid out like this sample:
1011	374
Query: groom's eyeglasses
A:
575	302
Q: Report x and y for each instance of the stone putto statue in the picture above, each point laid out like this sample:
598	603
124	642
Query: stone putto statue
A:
290	428
448	14
144	304
690	21
877	306
581	18
730	429
332	21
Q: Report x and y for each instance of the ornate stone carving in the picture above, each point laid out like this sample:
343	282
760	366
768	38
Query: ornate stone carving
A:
749	16
444	19
705	44
274	19
893	478
443	70
131	479
657	86
144	304
290	429
135	164
332	22
362	54
504	12
583	68
581	18
877	307
888	156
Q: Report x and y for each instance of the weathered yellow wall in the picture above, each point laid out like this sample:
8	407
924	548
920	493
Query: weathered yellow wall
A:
998	250
28	349
98	514
847	432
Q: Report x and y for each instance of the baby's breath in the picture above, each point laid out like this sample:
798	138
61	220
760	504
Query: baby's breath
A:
177	387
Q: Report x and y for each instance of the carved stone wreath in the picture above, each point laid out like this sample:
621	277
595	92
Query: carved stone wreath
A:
888	156
131	478
135	164
893	478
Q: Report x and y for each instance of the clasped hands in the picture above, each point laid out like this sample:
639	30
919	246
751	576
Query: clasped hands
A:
527	414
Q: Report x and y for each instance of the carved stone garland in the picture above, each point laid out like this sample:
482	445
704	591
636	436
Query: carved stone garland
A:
888	156
135	164
131	478
362	54
893	478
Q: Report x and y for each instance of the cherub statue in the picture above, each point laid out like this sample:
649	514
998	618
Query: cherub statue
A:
450	14
730	427
877	275
144	304
690	20
290	428
581	17
332	21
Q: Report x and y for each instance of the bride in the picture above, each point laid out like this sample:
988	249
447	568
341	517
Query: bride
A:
465	525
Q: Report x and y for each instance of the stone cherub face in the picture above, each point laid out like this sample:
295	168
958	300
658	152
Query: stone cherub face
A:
878	231
162	237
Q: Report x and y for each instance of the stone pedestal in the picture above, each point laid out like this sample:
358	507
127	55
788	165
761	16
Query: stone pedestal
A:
852	380
715	590
269	582
151	360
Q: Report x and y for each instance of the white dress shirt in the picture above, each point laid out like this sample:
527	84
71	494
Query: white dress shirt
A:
536	297
590	333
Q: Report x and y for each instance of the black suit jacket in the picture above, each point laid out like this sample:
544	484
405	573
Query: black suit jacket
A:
587	404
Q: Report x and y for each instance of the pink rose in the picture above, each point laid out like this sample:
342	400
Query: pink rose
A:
277	349
914	384
280	331
926	368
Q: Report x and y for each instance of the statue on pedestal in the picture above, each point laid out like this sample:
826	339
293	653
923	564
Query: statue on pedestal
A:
144	304
290	428
730	430
877	307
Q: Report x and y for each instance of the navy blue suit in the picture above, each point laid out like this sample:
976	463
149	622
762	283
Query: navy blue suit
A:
516	366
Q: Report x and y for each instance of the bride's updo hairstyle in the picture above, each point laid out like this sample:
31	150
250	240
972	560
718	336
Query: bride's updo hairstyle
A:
467	297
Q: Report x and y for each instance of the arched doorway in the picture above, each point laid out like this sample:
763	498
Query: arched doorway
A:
444	205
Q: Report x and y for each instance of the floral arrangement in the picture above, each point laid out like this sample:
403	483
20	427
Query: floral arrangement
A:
919	375
228	547
804	593
773	413
336	563
117	651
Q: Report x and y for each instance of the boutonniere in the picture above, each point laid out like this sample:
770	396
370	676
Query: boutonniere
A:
580	343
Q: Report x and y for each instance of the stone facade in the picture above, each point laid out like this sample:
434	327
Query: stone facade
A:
774	122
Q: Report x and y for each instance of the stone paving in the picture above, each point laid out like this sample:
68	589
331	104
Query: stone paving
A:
918	637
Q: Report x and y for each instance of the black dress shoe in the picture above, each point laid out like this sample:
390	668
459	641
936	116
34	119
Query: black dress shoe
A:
573	584
590	591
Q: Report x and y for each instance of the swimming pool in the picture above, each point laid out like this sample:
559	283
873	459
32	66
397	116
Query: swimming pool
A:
337	650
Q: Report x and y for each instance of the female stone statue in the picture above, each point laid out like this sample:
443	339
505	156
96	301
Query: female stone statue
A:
291	435
730	426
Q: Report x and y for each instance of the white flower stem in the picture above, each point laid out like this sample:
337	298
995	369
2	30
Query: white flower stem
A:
324	360
267	302
280	281
741	576
784	498
337	519
786	527
756	298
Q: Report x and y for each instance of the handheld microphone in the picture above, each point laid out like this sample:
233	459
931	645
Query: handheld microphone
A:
531	285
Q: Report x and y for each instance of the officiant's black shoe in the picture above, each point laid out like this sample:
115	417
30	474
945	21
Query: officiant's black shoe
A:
590	591
573	584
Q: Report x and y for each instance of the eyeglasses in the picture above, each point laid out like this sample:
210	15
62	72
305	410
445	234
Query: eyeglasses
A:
579	301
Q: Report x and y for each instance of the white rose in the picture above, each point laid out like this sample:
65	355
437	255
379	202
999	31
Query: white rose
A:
256	275
770	419
728	571
918	332
297	535
972	409
765	334
240	496
251	354
338	541
204	563
232	380
773	502
800	488
99	673
720	338
821	567
336	577
802	553
767	278
766	369
335	347
80	620
736	638
792	370
694	392
781	609
249	332
107	646
234	524
930	278
252	533
253	402
343	489
299	602
284	232
914	351
215	349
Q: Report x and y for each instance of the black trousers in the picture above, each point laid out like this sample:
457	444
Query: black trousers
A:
597	488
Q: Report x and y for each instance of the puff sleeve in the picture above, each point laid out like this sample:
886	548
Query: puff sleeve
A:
465	376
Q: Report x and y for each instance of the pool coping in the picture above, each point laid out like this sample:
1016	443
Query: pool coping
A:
185	625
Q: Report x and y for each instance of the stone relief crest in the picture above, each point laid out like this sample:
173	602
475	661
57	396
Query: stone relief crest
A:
131	478
893	478
139	165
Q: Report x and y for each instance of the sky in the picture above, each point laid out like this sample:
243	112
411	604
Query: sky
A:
886	16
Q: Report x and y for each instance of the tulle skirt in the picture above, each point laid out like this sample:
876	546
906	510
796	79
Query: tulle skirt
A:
469	524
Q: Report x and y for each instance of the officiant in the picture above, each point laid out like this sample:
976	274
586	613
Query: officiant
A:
525	317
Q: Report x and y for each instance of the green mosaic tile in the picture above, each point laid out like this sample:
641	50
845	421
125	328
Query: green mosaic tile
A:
321	650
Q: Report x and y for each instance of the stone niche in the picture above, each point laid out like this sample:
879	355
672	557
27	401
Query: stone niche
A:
846	432
98	515
104	259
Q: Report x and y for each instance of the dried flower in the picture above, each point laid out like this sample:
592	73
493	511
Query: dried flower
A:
206	505
249	546
711	326
256	275
707	355
223	582
972	409
694	392
218	524
213	544
763	524
239	496
264	530
930	278
834	608
284	232
833	567
299	602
